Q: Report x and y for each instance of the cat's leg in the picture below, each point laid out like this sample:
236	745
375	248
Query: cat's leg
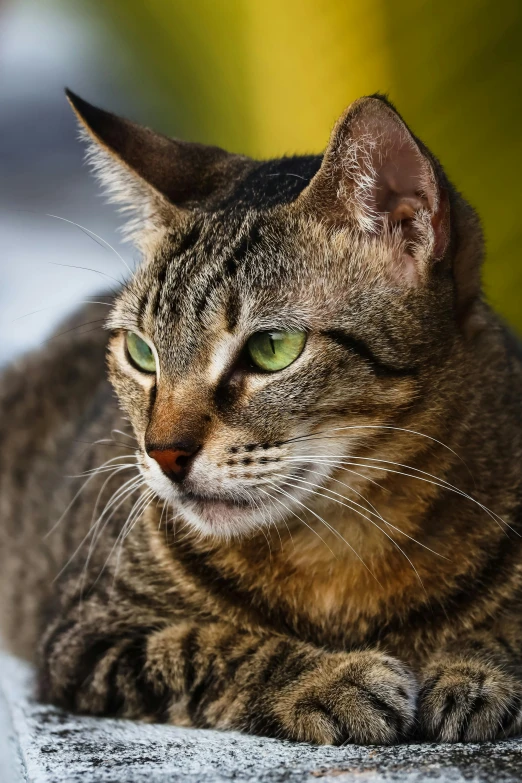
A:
215	676
472	691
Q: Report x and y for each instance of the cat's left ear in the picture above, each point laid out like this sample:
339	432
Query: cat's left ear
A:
155	179
377	178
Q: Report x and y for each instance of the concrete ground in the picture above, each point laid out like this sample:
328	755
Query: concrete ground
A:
40	744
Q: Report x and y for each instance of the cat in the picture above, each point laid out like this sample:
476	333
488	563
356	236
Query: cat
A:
301	514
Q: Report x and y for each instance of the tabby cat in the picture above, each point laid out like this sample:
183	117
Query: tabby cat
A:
301	516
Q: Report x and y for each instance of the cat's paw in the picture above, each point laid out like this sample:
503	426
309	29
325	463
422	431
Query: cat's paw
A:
359	697
469	701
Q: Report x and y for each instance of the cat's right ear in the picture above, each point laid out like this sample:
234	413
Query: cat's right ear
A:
153	178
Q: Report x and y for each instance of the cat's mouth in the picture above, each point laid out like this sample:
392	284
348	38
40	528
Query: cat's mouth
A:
227	514
198	499
216	513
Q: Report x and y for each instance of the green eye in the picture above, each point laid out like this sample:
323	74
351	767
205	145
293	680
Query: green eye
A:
272	351
140	353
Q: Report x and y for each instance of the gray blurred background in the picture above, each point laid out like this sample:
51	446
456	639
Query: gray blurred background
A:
43	48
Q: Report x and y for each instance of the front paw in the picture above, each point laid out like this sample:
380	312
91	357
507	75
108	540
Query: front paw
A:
469	701
359	697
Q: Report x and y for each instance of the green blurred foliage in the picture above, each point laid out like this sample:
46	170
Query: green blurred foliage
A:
267	77
457	76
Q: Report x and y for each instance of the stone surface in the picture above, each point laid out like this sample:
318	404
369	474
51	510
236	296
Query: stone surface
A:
39	744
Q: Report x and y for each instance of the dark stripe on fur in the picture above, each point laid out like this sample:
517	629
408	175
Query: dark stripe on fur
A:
229	588
381	369
189	650
159	288
230	264
189	240
470	590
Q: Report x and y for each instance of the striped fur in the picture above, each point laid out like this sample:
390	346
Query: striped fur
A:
343	562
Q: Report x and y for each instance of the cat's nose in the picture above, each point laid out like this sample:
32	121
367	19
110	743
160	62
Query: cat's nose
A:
176	460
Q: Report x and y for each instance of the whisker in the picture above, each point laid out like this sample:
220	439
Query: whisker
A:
364	516
373	512
122	494
327	525
68	303
94	237
165	504
131	522
101	471
104	466
128	528
77	495
126	531
69	561
286	524
111	440
259	527
136	505
125	434
352	489
103	442
442	483
117	499
175	518
86	269
115	493
294	514
380	427
73	328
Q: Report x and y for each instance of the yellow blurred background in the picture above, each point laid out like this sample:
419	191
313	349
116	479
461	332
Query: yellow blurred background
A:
262	77
268	77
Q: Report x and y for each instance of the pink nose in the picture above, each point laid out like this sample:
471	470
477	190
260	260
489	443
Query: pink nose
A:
175	463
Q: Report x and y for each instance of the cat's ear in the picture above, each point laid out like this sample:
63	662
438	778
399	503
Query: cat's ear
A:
153	178
377	178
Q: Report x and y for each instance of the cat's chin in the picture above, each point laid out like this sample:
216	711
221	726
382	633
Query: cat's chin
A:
213	516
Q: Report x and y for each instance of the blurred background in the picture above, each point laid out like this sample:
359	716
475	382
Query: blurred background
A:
262	77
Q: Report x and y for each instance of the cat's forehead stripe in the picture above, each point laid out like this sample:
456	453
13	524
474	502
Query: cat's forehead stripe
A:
226	269
194	272
178	267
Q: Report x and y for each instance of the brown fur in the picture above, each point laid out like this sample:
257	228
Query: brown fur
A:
342	560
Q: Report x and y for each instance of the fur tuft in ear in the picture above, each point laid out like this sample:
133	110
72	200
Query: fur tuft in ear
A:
153	178
377	179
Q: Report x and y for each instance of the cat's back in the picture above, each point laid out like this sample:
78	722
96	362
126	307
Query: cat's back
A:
42	392
47	398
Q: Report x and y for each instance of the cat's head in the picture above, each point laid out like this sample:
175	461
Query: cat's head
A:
286	313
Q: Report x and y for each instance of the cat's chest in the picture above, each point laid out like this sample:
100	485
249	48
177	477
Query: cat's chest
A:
340	599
